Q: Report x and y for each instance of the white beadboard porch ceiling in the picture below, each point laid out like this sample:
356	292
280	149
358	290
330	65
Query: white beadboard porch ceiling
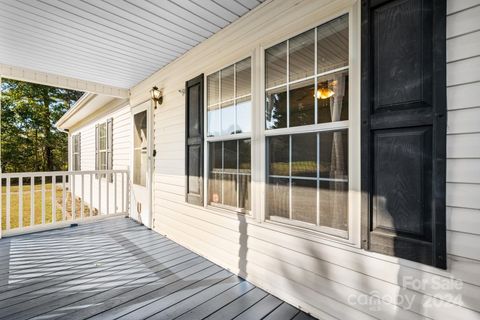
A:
111	42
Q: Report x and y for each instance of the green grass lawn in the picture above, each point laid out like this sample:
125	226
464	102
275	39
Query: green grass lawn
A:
14	205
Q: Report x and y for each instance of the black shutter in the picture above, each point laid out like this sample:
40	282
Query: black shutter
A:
404	129
194	140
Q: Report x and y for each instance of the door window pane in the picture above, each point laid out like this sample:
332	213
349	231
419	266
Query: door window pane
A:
302	103
302	55
332	44
140	148
276	108
332	97
276	65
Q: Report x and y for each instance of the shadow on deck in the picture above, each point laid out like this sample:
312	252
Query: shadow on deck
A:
116	268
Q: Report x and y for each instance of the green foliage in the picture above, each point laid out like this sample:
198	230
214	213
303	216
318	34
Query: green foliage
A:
29	139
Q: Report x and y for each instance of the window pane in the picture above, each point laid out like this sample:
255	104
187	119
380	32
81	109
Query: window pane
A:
243	78
332	97
215	188
228	118
244	110
304	200
278	149
334	204
227	83
302	103
230	156
244	191
276	65
302	55
103	136
304	155
213	119
215	157
277	197
230	190
140	132
332	44
334	155
213	87
244	160
276	108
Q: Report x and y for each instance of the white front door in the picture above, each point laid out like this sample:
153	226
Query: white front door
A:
141	193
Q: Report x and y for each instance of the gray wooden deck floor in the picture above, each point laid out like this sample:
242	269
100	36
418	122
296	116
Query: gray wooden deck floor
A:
118	269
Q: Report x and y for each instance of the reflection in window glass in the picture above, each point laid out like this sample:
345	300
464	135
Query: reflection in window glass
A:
276	65
332	44
302	103
304	166
140	149
276	108
307	173
302	55
332	97
230	173
229	100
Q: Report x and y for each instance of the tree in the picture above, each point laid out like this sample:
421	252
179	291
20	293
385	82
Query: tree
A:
29	139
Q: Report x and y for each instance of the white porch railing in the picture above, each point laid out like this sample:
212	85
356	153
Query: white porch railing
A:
33	201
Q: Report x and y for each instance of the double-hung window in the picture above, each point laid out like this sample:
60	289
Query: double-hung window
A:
306	128
103	146
76	163
229	106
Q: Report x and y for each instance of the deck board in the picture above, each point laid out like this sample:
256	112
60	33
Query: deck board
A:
118	269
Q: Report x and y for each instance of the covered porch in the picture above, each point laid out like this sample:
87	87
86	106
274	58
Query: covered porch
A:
116	268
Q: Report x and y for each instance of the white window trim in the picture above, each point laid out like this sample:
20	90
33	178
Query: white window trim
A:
258	133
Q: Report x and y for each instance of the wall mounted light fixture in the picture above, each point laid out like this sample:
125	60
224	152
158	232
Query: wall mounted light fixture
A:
157	96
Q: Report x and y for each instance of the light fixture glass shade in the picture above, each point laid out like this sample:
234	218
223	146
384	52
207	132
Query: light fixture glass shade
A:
155	93
324	93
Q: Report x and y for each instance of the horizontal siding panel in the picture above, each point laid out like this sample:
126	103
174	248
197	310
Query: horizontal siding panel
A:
463	47
459	5
463	195
463	22
463	220
463	146
463	244
464	121
463	170
463	71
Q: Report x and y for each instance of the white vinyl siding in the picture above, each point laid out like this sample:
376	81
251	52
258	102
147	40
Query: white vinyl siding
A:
319	274
119	112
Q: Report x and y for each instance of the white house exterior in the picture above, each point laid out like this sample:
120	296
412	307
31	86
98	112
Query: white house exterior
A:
314	262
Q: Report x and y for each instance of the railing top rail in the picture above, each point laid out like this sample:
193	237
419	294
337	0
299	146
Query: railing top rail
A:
58	173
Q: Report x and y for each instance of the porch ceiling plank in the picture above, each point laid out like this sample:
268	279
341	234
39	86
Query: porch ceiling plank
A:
117	43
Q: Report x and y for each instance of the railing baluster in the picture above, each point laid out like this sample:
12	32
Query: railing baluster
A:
123	192
82	208
115	192
54	199
7	207
1	203
64	198
91	194
107	181
43	200
32	201
100	194
20	202
74	201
